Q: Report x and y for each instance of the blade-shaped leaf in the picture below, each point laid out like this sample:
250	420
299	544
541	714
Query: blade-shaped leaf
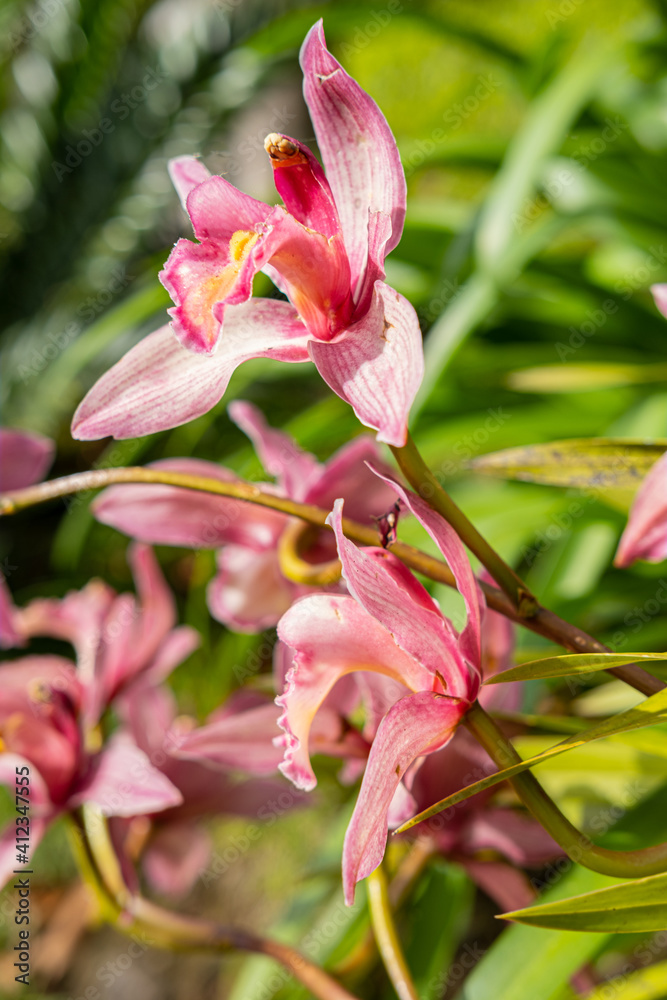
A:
649	713
598	463
640	905
643	984
570	664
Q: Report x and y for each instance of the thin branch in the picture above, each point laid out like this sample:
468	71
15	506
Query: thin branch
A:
543	621
386	936
175	931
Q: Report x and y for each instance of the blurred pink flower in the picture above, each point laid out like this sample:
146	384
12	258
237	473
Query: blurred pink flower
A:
118	638
249	592
43	737
645	535
24	458
325	250
208	765
389	626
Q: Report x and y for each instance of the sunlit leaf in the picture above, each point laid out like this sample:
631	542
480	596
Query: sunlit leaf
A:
622	909
571	664
596	463
583	377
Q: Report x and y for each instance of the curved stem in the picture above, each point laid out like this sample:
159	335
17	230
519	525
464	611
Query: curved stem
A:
173	930
577	846
422	480
543	621
386	936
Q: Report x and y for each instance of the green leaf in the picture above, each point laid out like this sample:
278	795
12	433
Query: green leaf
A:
527	963
635	906
571	664
583	377
649	713
643	984
600	463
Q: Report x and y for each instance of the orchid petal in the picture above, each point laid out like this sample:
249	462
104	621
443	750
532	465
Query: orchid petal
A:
12	764
175	855
645	535
331	636
186	172
241	741
217	210
279	453
378	365
10	634
302	184
123	782
506	886
202	278
347	475
517	837
659	293
159	384
249	593
170	515
452	549
360	157
417	724
24	458
389	592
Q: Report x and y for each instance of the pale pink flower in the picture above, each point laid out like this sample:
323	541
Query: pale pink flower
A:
43	737
118	638
249	592
324	249
209	767
392	627
24	458
645	535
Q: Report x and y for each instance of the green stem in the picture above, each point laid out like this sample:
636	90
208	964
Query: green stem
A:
424	483
174	931
577	846
543	622
386	936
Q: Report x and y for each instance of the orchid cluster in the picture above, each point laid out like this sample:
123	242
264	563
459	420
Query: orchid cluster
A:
367	669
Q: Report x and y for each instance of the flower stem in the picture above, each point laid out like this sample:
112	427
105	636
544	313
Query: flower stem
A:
577	846
543	621
386	936
424	483
166	929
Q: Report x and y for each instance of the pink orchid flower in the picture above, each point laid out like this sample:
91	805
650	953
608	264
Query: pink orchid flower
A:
645	536
42	737
389	626
249	593
24	458
118	638
208	765
324	249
